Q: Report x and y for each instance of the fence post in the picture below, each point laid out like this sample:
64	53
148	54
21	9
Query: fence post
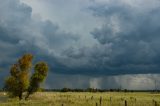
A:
125	103
100	101
96	104
135	100
155	103
62	105
110	100
91	97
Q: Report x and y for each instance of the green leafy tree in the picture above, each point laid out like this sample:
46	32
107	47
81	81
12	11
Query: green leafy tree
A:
19	80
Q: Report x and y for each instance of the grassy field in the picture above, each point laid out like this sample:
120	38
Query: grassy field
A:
84	99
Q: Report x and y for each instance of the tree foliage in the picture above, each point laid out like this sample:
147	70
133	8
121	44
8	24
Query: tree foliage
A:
20	81
39	75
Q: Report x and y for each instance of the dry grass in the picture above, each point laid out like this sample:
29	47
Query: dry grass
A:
83	99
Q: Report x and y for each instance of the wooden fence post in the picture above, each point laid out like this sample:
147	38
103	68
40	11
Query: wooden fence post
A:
135	100
110	100
100	101
62	105
91	97
155	103
125	103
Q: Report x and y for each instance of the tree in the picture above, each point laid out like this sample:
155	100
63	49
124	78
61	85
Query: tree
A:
19	80
39	75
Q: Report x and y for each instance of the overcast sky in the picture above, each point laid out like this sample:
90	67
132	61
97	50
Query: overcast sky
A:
87	43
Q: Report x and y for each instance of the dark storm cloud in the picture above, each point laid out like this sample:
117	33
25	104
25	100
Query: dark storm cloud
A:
133	34
127	43
20	33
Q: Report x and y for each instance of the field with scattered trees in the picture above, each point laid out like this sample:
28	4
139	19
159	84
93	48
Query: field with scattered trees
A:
84	99
23	85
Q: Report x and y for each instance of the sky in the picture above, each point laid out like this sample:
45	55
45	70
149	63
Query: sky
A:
87	43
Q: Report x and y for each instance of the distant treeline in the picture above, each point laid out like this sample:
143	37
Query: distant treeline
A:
91	90
96	90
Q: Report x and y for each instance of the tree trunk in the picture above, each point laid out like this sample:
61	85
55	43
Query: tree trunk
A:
20	96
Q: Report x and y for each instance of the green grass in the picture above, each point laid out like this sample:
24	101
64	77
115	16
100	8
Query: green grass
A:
83	99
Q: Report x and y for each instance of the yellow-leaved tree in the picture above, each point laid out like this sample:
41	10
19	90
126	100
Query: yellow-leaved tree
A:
20	81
